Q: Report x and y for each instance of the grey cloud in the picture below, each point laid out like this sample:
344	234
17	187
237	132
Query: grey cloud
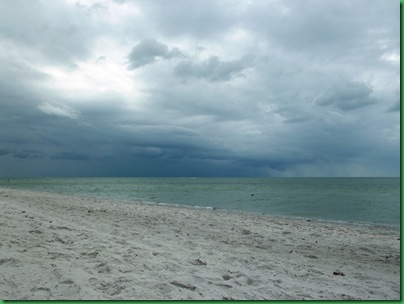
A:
58	110
395	107
70	156
310	26
298	119
276	164
148	51
200	19
4	152
18	86
316	99
53	30
159	152
347	96
212	69
28	154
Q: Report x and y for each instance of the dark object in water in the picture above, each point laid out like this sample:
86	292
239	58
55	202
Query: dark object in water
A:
340	273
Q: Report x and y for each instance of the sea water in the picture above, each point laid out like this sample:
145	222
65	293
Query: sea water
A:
354	200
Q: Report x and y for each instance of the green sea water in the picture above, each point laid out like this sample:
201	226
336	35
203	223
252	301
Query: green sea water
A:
353	200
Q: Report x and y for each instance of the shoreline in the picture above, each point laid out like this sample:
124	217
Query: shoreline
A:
263	214
72	247
210	208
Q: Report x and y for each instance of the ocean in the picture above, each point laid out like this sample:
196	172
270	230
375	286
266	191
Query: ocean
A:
374	201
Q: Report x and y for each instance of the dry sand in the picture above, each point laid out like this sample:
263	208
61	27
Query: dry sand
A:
62	247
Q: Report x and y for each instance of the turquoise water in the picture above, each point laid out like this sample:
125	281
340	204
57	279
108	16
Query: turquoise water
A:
358	200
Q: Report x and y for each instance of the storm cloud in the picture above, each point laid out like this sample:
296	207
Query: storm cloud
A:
148	51
200	88
212	69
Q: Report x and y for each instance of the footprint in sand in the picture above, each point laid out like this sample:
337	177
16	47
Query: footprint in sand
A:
60	228
9	262
91	255
238	278
58	273
103	268
41	293
111	288
67	288
58	255
96	283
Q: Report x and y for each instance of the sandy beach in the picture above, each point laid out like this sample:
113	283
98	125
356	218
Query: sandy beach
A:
62	247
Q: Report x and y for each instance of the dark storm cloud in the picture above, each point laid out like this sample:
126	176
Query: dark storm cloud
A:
27	154
348	96
70	156
171	88
4	152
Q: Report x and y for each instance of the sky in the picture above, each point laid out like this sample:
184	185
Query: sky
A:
265	88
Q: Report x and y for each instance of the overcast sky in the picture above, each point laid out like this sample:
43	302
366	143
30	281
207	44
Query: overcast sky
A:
199	88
